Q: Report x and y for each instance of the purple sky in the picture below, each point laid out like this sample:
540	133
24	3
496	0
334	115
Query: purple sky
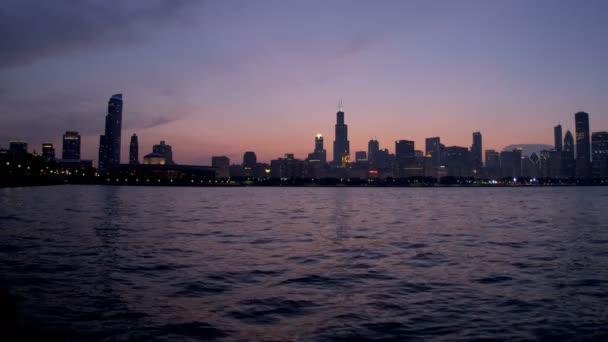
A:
224	77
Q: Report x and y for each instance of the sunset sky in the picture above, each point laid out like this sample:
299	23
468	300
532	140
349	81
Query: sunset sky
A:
225	77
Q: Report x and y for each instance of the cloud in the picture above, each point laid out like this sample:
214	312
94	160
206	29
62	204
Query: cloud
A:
34	30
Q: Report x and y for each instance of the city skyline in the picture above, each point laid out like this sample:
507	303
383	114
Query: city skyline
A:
426	69
113	120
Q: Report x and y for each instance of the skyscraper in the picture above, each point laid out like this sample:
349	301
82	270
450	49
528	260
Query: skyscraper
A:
221	164
166	151
433	148
249	159
456	160
373	146
599	147
568	161
493	164
48	152
510	163
134	150
341	144
109	143
319	153
71	146
476	153
17	148
583	145
404	149
557	134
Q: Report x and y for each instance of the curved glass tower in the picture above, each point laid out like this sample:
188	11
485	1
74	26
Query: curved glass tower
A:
109	143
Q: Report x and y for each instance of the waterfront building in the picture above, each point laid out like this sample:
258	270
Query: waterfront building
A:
71	146
557	136
134	150
361	157
319	154
373	146
155	158
457	161
17	148
568	160
510	163
166	151
109	142
433	149
221	164
493	164
341	143
48	152
583	145
475	154
599	148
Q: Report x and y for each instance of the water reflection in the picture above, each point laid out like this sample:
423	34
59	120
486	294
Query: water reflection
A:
309	264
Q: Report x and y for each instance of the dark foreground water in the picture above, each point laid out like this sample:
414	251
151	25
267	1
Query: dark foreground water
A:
308	264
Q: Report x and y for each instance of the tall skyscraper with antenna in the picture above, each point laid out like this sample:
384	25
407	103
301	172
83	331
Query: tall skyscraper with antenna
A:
341	143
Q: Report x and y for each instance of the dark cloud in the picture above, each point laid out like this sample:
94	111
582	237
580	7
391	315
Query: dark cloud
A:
34	30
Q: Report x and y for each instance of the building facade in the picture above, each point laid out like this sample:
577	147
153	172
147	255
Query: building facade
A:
166	151
109	142
341	143
583	145
71	146
599	148
48	152
134	150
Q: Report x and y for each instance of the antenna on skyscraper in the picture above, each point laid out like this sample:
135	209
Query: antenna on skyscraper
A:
340	105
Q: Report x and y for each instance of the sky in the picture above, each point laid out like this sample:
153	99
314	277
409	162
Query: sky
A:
225	77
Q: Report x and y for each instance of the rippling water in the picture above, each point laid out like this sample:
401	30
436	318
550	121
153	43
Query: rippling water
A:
308	264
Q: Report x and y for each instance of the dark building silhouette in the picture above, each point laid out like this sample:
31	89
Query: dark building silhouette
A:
221	164
493	164
550	164
319	154
433	148
341	144
557	134
457	161
510	163
405	159
568	161
109	143
599	148
17	148
360	156
289	167
383	159
530	166
166	151
476	157
134	150
583	145
71	146
373	146
48	152
404	149
249	159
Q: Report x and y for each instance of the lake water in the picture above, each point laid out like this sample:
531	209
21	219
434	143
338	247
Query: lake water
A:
308	264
